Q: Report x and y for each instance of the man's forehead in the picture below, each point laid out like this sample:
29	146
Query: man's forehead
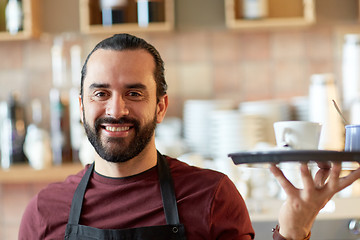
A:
106	58
103	65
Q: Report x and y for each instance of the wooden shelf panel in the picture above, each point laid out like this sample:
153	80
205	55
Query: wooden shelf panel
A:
6	36
270	23
128	27
281	13
90	19
31	23
26	174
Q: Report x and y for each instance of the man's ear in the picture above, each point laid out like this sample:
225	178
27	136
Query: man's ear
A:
162	108
81	109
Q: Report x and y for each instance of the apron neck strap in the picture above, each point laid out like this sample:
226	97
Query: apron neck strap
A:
167	191
78	197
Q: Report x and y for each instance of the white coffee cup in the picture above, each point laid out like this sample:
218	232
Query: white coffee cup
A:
297	135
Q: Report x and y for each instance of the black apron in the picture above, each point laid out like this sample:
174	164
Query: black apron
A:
173	230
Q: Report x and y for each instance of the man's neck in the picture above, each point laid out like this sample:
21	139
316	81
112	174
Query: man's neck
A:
144	161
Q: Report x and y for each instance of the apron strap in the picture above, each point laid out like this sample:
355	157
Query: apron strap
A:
166	188
78	197
167	191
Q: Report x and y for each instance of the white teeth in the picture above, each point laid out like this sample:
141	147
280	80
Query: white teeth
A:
116	129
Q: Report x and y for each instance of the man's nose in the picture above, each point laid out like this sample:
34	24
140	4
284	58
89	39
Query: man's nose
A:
116	107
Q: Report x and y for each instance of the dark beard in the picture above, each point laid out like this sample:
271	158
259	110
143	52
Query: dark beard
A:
121	152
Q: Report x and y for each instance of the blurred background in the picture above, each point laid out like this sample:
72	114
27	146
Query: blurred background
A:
233	68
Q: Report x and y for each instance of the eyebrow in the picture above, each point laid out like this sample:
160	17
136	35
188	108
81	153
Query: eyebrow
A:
136	86
99	85
106	85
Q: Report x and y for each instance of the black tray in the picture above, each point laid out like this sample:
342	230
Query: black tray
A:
293	156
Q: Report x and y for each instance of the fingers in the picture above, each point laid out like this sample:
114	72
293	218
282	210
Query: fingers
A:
283	181
324	165
309	185
349	179
334	176
336	183
321	176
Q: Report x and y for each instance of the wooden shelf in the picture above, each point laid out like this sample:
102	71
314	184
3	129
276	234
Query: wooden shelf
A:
281	14
31	29
91	23
26	174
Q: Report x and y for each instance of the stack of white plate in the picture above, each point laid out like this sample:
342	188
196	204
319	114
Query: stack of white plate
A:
197	125
271	110
300	107
232	131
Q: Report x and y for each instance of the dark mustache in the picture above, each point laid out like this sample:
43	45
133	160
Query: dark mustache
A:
111	120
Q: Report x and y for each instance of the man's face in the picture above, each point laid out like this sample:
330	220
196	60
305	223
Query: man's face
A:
119	105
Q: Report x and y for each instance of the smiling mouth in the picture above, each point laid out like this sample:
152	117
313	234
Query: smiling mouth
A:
116	129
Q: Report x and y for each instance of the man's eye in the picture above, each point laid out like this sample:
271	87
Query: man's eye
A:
134	94
100	94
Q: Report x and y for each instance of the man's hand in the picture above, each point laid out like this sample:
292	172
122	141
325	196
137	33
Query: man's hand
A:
301	207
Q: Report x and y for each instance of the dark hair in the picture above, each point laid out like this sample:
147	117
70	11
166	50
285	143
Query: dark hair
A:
120	42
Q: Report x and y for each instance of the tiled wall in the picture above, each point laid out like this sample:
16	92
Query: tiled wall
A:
205	64
244	66
199	65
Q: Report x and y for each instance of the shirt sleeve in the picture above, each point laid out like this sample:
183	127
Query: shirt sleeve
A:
229	217
30	222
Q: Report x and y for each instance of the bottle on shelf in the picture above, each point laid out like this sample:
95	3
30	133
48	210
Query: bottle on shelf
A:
148	11
59	108
322	91
37	146
113	11
12	132
82	150
254	9
77	132
14	16
351	77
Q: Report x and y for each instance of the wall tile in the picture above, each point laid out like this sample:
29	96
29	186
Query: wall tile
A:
166	44
287	45
257	83
255	46
319	66
196	80
11	55
12	81
319	44
227	81
175	106
193	46
225	47
37	55
172	79
289	79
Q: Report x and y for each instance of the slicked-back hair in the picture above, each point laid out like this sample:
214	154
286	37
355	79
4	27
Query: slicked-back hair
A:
123	41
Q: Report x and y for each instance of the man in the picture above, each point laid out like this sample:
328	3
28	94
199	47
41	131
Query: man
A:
132	191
